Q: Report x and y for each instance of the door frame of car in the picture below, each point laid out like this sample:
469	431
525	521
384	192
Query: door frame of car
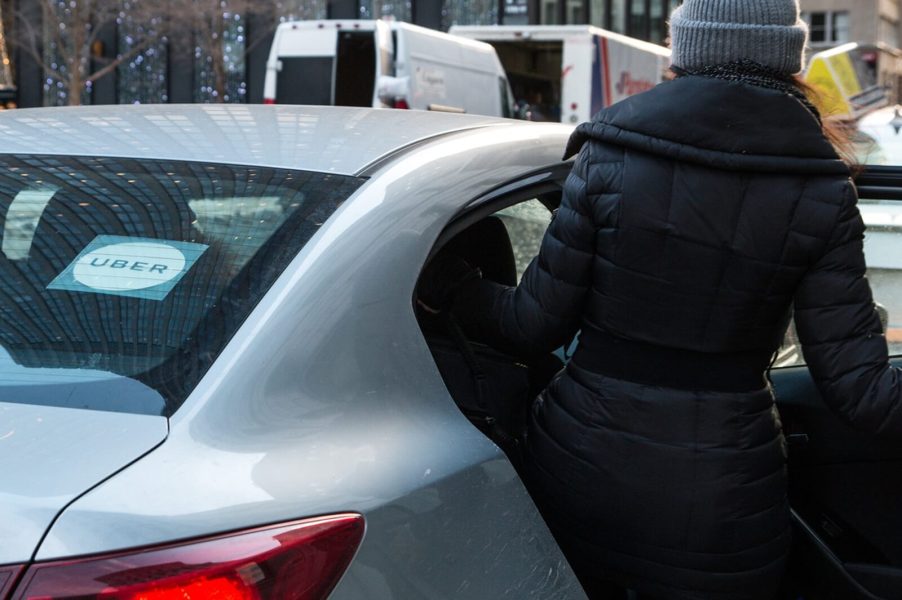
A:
541	181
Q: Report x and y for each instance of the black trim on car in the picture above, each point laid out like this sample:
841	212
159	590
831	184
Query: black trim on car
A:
540	182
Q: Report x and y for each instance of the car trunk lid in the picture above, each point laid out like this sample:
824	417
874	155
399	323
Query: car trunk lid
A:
50	455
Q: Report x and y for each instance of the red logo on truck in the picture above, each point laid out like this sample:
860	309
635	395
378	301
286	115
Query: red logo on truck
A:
627	86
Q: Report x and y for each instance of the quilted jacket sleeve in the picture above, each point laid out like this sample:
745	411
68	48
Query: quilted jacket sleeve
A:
545	310
840	332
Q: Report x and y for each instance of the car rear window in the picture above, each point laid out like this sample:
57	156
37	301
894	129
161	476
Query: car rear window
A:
122	279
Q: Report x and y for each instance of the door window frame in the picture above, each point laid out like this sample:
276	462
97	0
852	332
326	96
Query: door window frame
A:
536	184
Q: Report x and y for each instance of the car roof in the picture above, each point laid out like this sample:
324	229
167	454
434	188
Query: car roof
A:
317	138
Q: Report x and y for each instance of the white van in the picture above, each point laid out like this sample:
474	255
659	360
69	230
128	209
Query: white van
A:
569	72
386	64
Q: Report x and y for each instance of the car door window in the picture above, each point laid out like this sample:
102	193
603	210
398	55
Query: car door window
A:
493	389
526	223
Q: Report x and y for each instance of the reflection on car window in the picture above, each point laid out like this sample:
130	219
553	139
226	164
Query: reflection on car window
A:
526	223
882	240
122	280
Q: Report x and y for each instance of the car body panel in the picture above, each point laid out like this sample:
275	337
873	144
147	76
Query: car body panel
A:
334	140
50	455
327	399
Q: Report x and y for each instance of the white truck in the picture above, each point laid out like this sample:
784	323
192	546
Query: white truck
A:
568	73
384	64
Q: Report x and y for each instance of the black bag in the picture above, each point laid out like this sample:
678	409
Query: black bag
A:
491	388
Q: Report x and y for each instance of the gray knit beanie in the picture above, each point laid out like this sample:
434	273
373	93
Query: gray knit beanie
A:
712	32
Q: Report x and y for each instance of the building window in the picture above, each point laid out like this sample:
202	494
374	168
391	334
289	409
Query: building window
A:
549	13
399	10
638	21
827	27
618	16
479	12
516	12
576	12
657	23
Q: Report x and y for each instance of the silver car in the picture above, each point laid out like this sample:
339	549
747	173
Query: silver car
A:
213	380
217	382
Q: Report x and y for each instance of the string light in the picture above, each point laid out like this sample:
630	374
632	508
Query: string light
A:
142	79
233	44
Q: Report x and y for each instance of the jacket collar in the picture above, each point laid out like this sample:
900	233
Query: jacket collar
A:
717	123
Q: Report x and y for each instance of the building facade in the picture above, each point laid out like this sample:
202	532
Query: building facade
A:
834	22
875	25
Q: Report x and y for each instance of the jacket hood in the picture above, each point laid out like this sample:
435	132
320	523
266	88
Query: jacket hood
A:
717	123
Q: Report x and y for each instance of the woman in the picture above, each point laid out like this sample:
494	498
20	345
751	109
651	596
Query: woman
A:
696	216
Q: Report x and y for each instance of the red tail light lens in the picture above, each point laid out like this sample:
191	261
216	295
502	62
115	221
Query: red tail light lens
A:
400	103
302	560
269	101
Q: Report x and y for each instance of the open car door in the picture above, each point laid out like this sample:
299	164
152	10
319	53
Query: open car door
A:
846	486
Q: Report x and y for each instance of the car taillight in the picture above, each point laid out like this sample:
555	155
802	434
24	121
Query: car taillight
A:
302	560
269	101
400	103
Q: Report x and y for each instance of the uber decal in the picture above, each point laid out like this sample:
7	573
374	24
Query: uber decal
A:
126	266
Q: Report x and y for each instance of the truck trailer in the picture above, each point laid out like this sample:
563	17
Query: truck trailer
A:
568	73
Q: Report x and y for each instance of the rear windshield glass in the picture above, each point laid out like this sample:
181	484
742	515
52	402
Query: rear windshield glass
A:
122	280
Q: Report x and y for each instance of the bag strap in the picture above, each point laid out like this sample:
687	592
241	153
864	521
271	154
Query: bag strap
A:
463	345
479	379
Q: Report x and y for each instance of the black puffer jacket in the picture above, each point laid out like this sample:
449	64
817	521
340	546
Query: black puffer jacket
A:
695	216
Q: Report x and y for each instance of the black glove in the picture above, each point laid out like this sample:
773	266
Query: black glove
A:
441	280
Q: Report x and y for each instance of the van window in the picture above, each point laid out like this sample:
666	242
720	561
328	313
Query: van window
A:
305	80
355	69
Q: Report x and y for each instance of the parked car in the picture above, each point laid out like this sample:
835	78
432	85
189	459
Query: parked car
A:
215	379
211	375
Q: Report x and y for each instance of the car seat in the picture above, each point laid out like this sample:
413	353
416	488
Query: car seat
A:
486	245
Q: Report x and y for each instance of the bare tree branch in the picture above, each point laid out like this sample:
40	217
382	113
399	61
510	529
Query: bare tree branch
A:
64	47
108	68
205	19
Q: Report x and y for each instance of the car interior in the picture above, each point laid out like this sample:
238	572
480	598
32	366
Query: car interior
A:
492	388
845	485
